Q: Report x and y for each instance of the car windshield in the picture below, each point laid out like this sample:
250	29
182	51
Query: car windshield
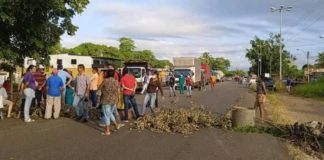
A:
135	71
184	72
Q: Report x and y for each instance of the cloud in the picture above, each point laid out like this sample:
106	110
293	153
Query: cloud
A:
188	28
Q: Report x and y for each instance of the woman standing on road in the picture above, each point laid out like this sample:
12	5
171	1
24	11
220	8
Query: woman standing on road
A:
151	93
29	85
261	97
188	85
109	99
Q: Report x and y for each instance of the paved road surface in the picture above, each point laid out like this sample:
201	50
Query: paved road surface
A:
67	139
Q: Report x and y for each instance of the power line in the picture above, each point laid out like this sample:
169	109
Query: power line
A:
304	29
306	15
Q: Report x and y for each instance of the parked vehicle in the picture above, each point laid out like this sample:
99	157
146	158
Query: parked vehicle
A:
185	66
252	79
138	69
270	84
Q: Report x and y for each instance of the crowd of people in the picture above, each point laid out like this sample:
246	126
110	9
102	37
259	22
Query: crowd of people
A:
104	89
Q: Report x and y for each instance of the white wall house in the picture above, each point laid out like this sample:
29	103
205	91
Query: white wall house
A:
70	61
67	60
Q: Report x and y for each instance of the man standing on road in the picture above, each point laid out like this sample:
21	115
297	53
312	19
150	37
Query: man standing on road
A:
55	87
288	85
40	78
64	76
261	97
171	84
181	83
81	94
213	81
129	85
94	87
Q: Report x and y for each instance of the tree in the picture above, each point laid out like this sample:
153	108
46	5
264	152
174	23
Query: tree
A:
161	63
96	50
221	63
126	47
147	55
30	28
268	52
206	58
304	67
320	60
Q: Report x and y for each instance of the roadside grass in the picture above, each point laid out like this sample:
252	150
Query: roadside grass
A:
310	90
278	114
277	111
298	154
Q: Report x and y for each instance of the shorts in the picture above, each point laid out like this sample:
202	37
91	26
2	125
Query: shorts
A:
261	98
6	102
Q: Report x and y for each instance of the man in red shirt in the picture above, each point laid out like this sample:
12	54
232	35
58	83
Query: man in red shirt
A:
7	85
129	86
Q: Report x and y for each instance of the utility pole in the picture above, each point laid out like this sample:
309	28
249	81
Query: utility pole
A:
308	66
280	9
270	60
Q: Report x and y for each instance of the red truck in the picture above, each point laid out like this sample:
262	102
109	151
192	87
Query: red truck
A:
205	70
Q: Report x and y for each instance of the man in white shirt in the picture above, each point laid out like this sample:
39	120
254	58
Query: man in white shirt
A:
4	101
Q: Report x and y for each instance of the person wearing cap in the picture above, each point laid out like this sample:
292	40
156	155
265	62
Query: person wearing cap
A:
66	78
55	87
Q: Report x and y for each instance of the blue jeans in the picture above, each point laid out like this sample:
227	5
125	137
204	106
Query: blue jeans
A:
29	96
81	107
188	88
149	97
115	113
130	100
107	110
93	97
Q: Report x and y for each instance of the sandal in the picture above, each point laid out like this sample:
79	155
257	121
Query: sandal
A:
105	134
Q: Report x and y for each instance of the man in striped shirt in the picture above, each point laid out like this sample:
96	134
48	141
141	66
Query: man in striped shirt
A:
40	78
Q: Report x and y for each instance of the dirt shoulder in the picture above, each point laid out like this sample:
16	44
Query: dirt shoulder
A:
303	109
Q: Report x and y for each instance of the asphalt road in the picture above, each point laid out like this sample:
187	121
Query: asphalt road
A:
67	139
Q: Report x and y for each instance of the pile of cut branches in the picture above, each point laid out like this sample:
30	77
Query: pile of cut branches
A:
180	120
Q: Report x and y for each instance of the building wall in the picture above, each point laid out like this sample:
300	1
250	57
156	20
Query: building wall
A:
67	60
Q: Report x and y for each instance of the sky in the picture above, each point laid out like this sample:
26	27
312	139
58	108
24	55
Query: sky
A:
174	28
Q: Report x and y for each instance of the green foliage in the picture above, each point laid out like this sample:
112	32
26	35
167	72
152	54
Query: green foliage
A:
258	129
268	52
96	50
126	47
30	28
125	53
221	63
235	73
218	63
320	60
311	90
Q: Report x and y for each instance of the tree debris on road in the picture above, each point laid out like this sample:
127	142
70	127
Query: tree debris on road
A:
180	120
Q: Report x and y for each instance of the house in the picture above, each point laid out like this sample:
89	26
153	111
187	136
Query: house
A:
71	62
